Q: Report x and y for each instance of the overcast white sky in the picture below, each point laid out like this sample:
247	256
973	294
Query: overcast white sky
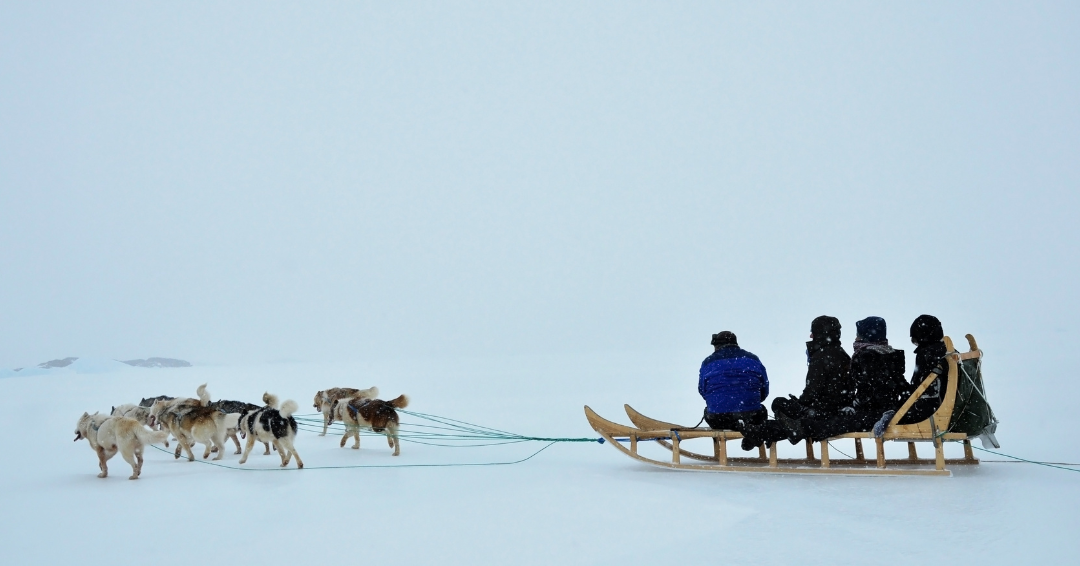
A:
228	182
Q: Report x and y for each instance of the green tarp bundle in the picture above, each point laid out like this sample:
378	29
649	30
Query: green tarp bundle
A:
972	413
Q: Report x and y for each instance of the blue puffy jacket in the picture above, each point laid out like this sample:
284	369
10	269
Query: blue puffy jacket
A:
733	380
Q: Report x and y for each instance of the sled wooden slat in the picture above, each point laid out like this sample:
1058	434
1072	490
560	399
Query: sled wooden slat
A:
673	437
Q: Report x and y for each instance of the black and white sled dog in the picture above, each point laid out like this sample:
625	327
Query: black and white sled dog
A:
273	425
233	410
108	435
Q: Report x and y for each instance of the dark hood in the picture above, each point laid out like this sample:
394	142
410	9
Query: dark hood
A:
826	334
826	331
926	329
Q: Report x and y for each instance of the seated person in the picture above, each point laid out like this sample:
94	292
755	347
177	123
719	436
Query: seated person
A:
733	383
829	386
877	371
927	335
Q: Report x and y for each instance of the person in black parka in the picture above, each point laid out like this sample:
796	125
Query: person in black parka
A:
927	335
878	373
829	386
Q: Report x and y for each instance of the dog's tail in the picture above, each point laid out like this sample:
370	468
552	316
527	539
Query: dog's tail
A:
271	400
204	395
400	402
369	393
147	436
288	408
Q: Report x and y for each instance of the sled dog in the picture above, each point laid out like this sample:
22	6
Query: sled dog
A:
172	408
108	435
233	410
324	401
192	421
141	414
148	402
376	414
273	425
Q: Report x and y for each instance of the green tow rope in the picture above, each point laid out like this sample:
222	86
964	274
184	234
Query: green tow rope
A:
445	432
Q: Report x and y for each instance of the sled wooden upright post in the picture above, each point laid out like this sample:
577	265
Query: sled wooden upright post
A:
675	448
720	450
824	453
809	450
858	450
968	454
880	452
911	453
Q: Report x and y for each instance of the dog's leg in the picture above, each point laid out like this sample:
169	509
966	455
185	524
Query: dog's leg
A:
182	439
247	450
128	452
286	444
325	423
236	440
219	443
101	462
393	440
285	455
139	460
267	445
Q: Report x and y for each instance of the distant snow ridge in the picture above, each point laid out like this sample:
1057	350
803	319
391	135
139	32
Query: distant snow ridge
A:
56	363
157	363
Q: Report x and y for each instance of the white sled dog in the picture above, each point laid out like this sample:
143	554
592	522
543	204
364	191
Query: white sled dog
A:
325	399
273	425
107	435
376	414
192	421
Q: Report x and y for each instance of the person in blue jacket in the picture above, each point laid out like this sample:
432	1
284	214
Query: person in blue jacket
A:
733	383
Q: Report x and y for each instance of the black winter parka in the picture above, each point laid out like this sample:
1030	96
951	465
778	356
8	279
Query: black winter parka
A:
927	333
829	386
878	373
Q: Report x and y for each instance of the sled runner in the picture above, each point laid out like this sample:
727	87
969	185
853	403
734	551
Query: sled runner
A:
937	429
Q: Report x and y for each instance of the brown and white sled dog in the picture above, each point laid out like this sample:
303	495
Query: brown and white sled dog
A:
192	422
324	401
273	425
108	435
378	415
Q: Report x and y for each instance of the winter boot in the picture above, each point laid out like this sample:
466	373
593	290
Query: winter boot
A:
883	423
751	438
793	427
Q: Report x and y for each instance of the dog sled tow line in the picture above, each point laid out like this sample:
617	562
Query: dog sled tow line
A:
445	430
937	429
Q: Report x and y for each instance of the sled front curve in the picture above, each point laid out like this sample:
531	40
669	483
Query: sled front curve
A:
616	434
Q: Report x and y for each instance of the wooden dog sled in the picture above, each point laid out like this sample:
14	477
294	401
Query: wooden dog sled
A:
935	430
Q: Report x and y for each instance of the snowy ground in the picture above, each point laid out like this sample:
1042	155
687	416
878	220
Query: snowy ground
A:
571	504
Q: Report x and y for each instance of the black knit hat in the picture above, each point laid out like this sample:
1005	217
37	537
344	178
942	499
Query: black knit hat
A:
725	338
926	329
871	329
